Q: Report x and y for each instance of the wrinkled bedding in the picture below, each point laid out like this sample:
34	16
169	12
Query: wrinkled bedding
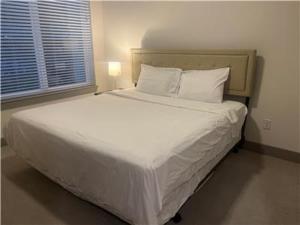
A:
126	151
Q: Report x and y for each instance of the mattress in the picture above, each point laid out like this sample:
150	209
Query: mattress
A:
126	151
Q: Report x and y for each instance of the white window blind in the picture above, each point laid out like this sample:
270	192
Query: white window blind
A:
45	46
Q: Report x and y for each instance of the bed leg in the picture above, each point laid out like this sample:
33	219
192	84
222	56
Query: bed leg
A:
239	145
235	150
177	218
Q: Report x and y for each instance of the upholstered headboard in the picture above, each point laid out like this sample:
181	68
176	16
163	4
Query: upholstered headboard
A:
241	63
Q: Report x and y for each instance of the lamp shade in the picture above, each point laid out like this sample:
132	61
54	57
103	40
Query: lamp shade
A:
114	68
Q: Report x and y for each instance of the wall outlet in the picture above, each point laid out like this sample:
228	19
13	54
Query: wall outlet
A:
267	124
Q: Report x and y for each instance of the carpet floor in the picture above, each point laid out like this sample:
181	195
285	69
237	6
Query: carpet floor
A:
246	189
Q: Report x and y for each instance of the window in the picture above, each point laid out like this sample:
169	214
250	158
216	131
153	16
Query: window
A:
45	46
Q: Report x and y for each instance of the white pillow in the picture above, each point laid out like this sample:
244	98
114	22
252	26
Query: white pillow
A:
203	85
159	80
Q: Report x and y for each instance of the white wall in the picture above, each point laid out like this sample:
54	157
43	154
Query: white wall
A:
270	27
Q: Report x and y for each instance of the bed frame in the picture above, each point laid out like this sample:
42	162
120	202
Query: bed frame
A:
239	85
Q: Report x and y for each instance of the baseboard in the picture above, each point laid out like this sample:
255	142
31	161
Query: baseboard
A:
3	142
272	151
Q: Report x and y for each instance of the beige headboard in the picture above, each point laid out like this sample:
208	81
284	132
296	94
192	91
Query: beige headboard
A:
241	63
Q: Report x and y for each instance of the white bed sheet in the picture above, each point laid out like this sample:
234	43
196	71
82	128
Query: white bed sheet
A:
126	151
176	198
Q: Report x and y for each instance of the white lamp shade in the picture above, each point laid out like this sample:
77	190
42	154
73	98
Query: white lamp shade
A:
114	69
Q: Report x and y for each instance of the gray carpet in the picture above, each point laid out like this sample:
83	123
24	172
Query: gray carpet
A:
247	189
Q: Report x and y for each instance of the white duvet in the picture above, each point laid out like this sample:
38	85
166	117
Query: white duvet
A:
125	151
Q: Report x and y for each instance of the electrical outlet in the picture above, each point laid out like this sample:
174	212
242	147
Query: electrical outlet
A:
267	124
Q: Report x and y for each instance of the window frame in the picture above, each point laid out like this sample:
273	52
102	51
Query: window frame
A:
24	101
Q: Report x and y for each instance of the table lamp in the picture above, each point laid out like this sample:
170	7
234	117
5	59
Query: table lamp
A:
114	70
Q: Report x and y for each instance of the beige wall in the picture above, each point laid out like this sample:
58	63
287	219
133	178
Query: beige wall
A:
103	81
299	74
270	27
98	45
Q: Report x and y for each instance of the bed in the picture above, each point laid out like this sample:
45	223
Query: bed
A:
137	155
